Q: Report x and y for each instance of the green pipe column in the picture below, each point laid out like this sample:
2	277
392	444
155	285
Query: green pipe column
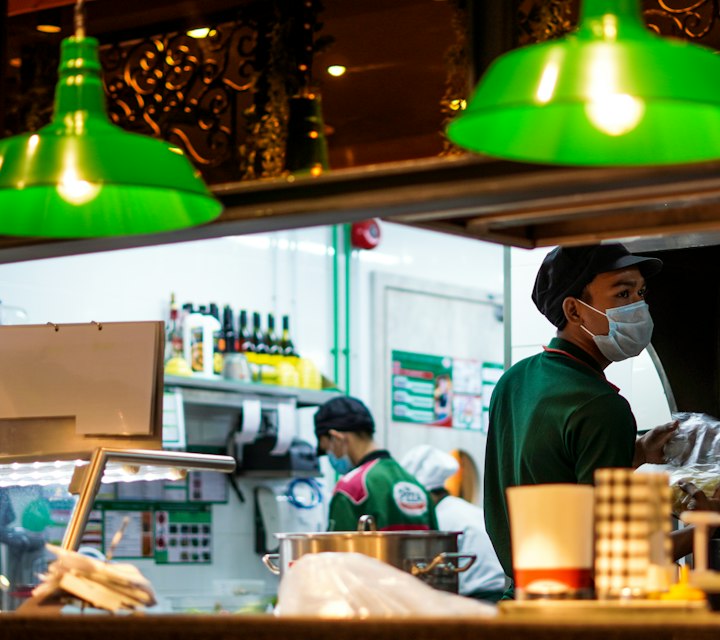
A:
348	264
341	305
336	308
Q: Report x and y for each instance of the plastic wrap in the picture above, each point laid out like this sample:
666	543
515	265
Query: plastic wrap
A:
694	451
705	477
696	442
353	585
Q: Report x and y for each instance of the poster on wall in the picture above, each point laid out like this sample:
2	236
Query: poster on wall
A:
137	539
491	372
421	388
442	391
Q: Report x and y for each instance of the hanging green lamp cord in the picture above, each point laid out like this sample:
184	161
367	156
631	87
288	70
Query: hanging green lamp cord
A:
610	93
81	176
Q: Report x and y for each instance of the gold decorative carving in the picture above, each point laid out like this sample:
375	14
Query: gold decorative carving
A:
691	19
262	154
189	91
457	81
541	20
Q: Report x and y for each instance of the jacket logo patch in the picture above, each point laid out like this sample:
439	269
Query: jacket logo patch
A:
410	499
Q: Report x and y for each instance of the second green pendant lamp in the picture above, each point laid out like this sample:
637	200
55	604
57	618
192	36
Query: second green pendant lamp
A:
81	176
610	93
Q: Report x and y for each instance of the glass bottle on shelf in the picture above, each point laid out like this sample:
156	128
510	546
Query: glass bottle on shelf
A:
174	339
245	336
228	338
218	343
287	348
258	335
271	338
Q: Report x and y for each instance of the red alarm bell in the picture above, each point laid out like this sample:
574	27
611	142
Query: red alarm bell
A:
365	234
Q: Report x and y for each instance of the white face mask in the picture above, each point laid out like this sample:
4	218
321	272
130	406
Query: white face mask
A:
631	328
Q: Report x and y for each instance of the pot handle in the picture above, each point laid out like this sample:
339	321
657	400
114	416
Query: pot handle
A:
446	558
269	560
366	523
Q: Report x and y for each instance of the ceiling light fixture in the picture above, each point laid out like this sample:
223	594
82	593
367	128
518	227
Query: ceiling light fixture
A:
610	93
49	21
46	27
336	70
81	176
200	32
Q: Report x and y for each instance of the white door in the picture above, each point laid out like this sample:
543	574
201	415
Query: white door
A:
414	319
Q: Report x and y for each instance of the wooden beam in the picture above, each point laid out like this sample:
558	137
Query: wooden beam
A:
18	7
507	203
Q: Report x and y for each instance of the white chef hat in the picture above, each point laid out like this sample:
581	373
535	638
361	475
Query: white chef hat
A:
431	466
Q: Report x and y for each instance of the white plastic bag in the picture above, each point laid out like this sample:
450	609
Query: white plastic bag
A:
693	454
353	585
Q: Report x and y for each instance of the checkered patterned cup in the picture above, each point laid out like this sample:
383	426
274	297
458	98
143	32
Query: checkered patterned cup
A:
551	531
632	531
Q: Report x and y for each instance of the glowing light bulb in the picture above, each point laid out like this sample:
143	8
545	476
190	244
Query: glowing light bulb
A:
615	114
337	70
201	32
76	191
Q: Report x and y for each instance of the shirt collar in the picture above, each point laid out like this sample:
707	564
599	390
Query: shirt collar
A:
374	455
579	353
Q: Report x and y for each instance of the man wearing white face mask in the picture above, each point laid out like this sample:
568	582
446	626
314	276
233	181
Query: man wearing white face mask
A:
372	482
554	417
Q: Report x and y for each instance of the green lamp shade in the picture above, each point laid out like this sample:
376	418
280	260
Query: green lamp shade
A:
81	176
611	93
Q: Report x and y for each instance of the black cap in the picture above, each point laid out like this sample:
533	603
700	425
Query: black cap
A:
566	271
343	414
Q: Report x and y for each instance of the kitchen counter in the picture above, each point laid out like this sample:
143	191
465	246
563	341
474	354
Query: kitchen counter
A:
657	626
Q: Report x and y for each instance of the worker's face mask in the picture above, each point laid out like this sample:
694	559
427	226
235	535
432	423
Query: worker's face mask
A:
631	328
341	465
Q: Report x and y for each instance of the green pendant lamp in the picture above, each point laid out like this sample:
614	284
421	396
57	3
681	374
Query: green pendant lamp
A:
610	93
81	176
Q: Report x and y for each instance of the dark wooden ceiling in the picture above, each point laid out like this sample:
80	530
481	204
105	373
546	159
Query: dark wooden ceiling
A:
386	108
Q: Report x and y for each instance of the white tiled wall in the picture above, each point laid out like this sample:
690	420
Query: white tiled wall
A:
284	272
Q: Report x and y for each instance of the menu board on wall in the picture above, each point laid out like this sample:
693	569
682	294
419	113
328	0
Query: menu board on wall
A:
183	536
421	388
441	390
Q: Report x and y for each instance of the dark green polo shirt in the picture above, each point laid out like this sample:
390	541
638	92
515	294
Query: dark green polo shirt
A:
553	418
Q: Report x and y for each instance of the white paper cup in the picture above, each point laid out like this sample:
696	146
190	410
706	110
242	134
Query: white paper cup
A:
551	530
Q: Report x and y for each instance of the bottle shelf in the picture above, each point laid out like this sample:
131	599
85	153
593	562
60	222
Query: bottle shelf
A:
303	397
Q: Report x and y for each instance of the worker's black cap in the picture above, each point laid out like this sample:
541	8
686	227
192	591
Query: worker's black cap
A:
344	413
566	271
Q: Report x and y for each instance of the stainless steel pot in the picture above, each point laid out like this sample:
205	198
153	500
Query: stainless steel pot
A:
430	555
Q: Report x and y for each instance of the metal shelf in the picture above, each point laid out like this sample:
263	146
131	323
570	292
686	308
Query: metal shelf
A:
303	397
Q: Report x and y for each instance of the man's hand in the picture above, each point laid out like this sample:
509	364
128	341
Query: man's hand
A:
698	501
649	447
